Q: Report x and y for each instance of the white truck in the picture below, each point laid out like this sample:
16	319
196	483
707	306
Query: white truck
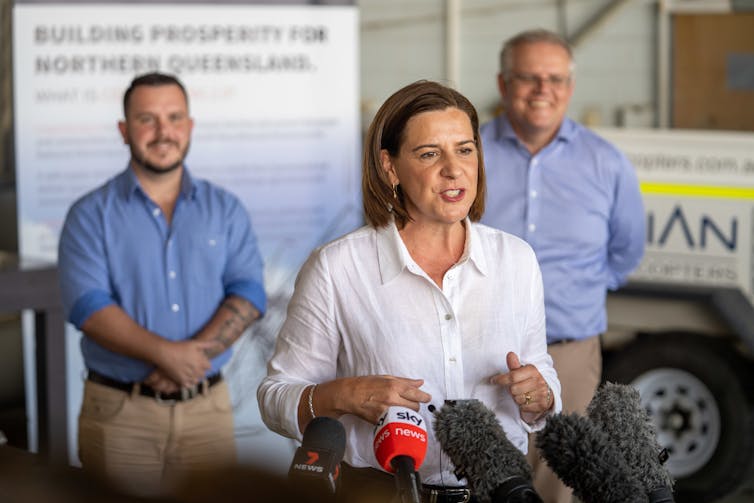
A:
682	330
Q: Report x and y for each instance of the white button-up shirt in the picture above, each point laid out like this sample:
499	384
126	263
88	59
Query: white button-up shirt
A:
362	306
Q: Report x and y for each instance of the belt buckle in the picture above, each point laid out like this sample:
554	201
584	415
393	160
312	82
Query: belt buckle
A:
189	393
186	394
164	401
464	492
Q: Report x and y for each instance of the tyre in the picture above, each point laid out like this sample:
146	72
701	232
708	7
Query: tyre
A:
693	390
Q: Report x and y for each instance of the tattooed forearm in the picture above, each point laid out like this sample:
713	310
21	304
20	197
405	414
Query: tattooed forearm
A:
245	317
231	327
226	335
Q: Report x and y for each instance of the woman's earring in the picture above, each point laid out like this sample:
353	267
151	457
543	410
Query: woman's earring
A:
395	192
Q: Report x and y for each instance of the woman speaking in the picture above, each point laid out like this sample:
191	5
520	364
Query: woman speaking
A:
421	305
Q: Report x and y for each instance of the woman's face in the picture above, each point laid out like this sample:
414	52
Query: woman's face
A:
436	167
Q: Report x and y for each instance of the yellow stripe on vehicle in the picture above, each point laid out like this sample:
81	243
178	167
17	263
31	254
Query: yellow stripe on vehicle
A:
674	189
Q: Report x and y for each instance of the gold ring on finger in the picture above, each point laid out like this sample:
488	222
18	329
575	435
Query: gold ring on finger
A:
527	397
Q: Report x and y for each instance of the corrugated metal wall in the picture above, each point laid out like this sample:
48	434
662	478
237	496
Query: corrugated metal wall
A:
615	56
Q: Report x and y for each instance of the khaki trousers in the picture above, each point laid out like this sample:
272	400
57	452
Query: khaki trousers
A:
145	448
579	367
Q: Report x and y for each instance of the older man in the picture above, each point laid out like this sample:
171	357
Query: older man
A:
574	198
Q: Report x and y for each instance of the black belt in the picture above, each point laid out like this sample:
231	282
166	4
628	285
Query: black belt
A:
179	396
442	494
561	341
380	486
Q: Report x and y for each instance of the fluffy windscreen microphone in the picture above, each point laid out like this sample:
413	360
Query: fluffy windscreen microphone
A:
617	409
317	462
400	444
470	434
584	459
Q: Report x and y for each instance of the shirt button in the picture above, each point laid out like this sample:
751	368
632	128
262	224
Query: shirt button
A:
534	162
452	359
532	227
171	274
448	317
175	308
156	211
533	194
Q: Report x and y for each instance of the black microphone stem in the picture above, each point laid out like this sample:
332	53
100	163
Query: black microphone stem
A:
406	479
661	495
515	490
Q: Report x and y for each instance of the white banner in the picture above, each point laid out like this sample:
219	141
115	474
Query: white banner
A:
274	95
698	189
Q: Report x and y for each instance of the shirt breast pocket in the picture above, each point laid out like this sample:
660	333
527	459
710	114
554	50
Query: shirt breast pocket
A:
205	260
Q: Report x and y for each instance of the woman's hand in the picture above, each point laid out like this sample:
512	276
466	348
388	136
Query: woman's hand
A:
527	387
369	396
366	397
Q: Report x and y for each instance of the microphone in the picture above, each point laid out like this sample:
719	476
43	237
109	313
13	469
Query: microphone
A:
584	459
317	462
617	409
400	444
471	436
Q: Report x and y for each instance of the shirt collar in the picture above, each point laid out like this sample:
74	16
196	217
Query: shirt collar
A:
128	184
566	131
393	256
473	249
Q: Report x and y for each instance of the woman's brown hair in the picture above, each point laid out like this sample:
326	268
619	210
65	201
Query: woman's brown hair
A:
387	133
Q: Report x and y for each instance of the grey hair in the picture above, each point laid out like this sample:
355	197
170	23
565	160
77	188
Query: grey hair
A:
532	37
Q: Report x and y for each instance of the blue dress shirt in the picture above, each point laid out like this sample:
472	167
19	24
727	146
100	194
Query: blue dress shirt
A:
577	203
116	247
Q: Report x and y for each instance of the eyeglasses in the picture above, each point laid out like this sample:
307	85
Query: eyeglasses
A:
529	79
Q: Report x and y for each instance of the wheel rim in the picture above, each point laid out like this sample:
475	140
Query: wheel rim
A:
685	415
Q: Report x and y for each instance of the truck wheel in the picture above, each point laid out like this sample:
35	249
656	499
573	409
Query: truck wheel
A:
692	389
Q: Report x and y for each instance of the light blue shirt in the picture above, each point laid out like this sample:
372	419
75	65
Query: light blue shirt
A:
577	203
116	247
